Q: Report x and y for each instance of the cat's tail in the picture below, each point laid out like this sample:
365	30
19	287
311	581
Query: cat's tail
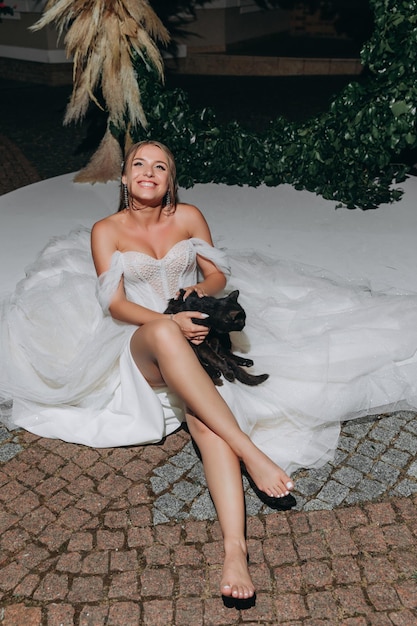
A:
249	379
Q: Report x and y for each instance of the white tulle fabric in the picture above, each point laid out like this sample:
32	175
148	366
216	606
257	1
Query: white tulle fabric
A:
334	351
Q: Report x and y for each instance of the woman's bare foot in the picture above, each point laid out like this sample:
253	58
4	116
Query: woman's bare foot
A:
236	581
266	475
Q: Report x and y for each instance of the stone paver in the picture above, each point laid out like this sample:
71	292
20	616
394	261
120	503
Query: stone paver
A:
101	545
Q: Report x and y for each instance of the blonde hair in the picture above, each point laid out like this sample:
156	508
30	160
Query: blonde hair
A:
172	172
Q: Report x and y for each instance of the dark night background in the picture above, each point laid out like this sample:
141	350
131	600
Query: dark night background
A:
32	114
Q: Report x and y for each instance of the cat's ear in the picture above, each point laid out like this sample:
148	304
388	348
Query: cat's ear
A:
233	295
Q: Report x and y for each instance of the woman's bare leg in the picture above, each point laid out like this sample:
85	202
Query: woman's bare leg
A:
224	480
164	356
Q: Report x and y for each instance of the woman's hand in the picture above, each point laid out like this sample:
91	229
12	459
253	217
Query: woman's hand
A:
193	332
199	289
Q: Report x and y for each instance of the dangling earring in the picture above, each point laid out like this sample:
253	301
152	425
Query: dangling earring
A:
125	195
168	200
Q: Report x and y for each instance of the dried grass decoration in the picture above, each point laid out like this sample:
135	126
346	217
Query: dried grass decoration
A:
101	36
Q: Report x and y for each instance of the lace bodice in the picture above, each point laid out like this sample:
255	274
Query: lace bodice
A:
152	282
163	275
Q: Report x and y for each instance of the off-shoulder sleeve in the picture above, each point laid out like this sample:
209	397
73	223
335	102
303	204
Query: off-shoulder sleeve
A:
109	281
215	255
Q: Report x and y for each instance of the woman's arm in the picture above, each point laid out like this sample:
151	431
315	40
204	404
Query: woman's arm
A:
213	279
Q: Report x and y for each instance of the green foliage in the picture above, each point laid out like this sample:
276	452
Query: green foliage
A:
351	154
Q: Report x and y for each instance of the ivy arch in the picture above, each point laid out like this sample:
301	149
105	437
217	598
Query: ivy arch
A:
353	153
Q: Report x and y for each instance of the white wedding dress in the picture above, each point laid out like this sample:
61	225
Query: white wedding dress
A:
334	351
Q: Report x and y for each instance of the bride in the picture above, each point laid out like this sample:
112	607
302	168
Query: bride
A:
97	362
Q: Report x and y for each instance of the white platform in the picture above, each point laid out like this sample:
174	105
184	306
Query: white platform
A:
376	246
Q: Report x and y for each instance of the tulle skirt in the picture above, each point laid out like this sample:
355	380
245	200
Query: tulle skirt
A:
333	351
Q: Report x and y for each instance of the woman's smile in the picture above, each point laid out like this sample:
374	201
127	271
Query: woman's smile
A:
148	173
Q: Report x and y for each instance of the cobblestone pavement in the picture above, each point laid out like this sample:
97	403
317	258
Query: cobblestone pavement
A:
128	536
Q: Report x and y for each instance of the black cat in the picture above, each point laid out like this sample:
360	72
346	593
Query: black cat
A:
215	353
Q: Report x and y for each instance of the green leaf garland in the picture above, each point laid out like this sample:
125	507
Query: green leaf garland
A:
351	154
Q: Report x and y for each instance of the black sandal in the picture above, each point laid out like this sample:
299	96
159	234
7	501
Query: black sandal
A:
285	503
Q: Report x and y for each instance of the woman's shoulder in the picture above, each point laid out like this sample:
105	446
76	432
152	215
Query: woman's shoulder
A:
105	235
189	213
193	223
108	227
186	208
109	222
